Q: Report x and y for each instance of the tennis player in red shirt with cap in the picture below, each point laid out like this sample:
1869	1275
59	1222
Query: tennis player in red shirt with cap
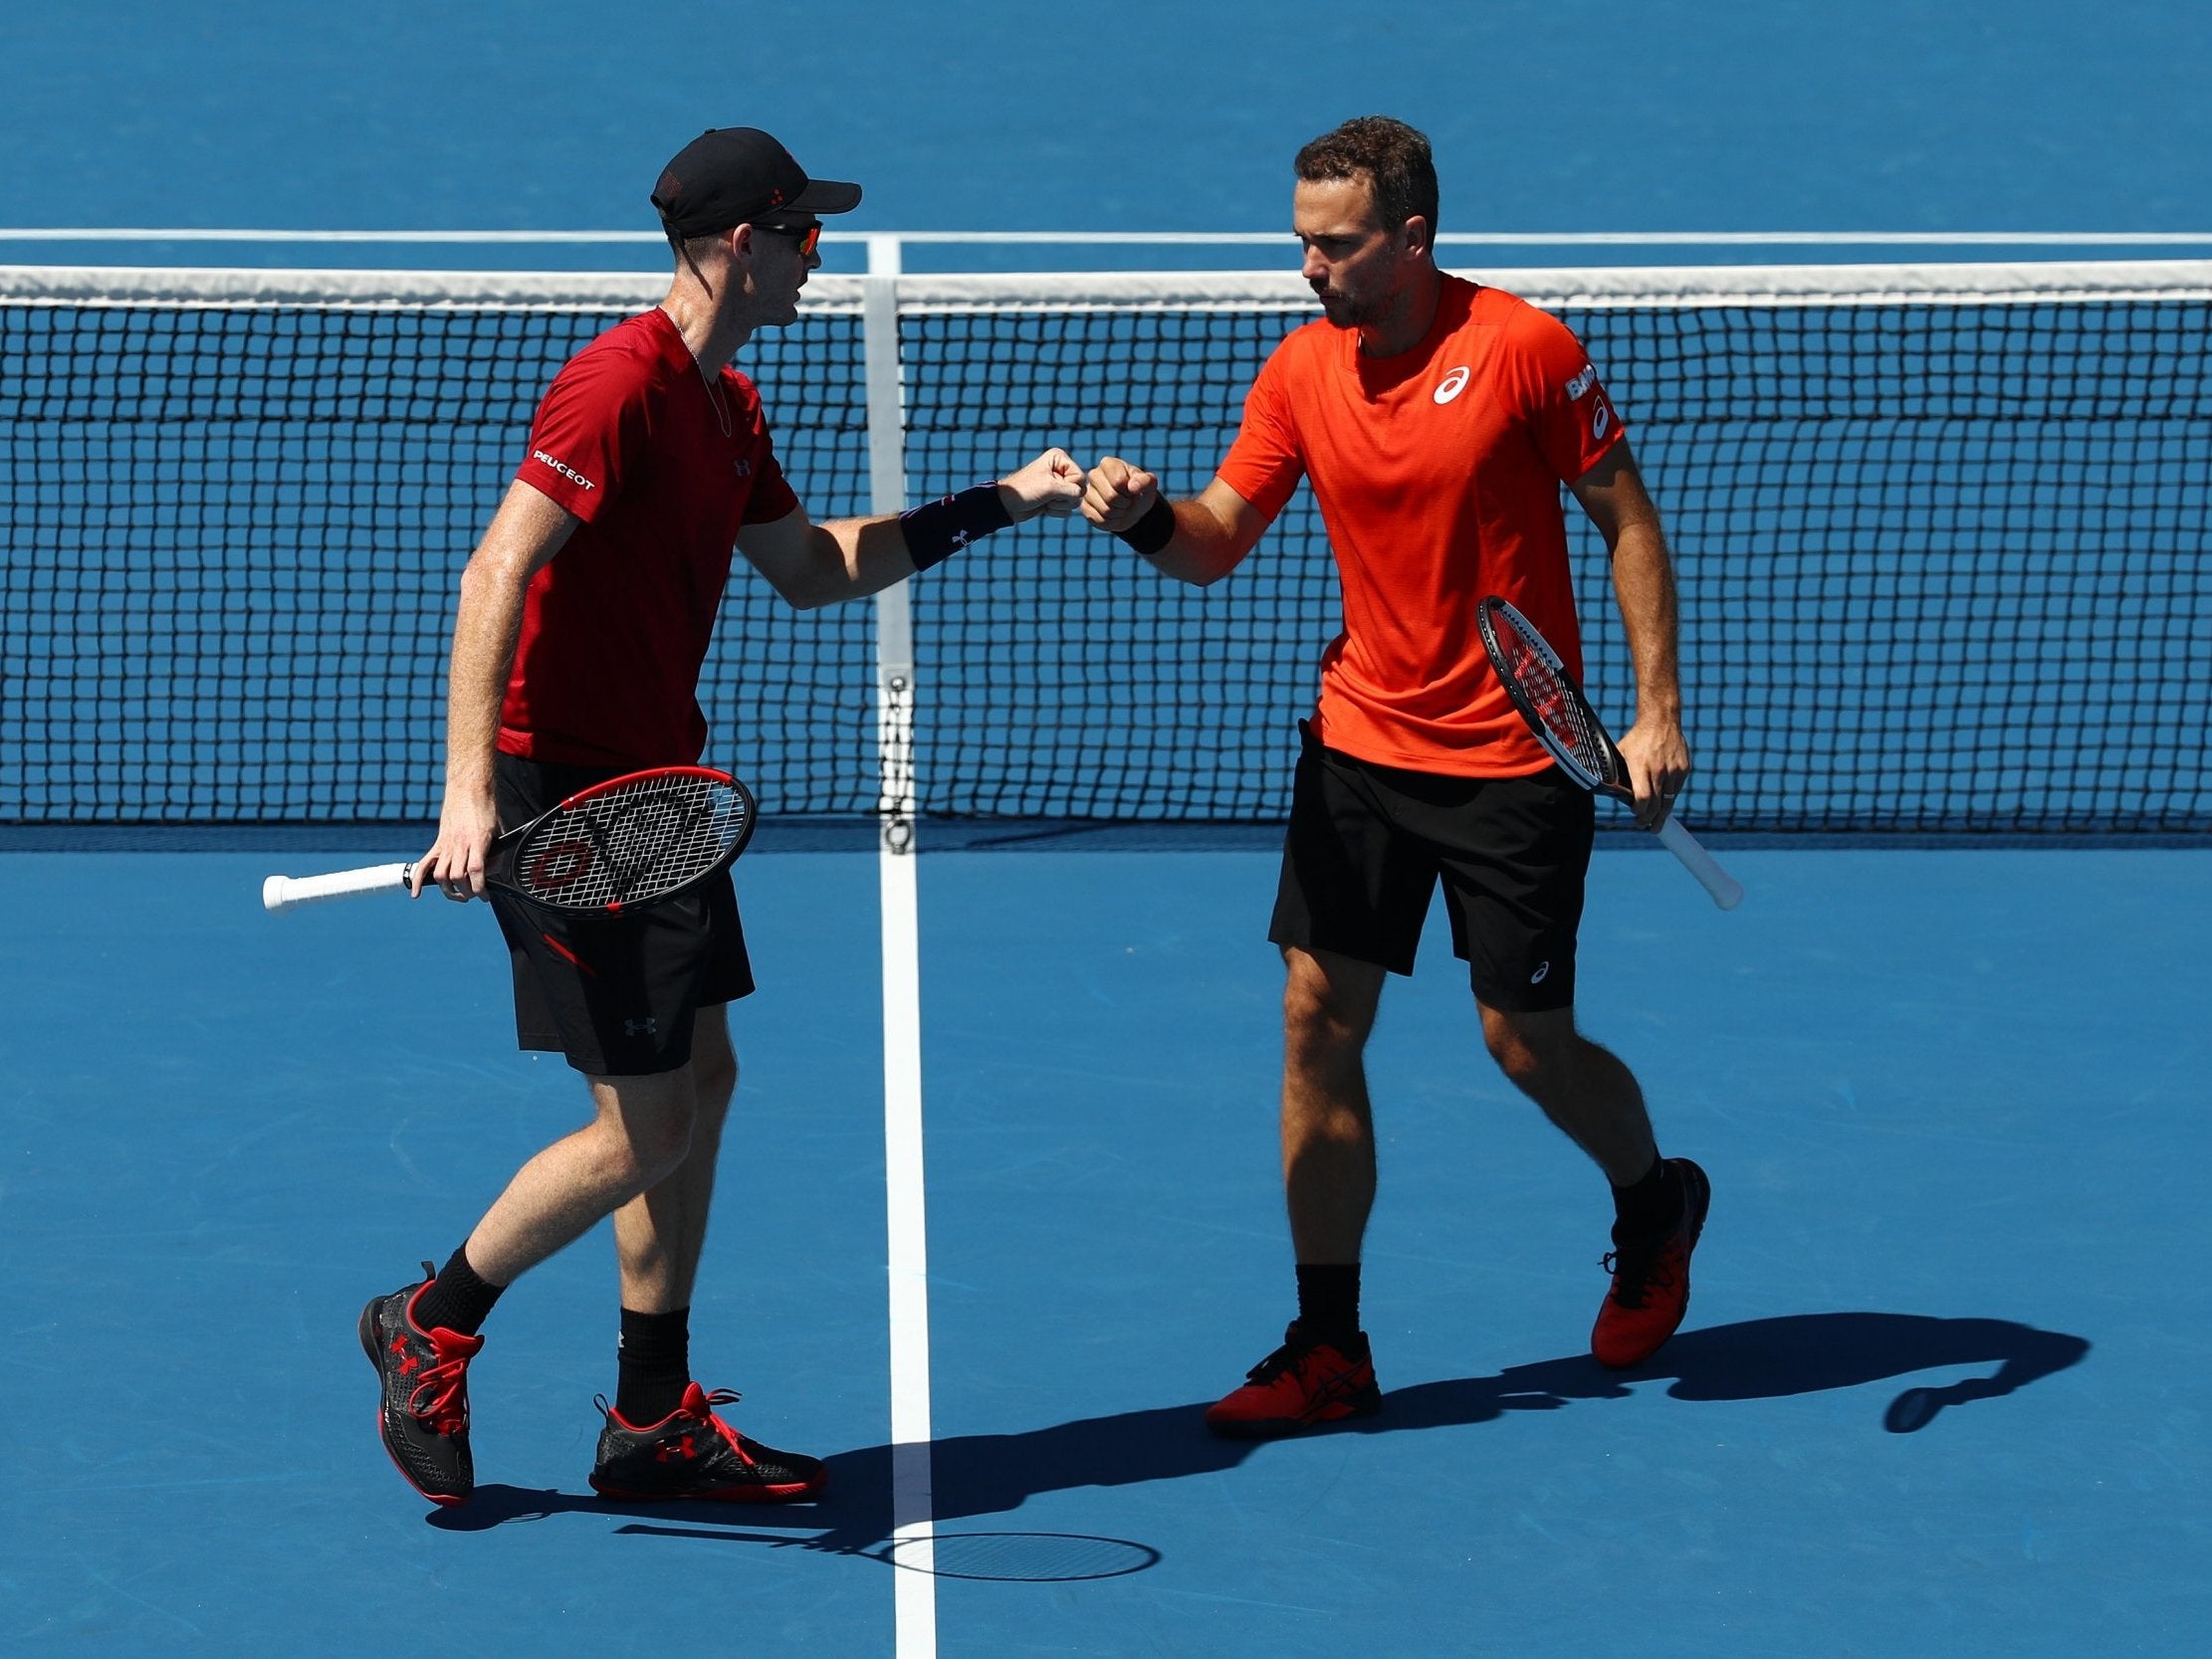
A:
584	616
1435	421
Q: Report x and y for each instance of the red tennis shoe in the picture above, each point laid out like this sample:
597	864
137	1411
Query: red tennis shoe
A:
693	1453
424	1412
1650	1281
1301	1383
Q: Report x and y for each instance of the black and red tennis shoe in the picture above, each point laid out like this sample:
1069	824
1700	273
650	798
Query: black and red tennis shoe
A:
424	1417
1302	1383
1650	1279
693	1453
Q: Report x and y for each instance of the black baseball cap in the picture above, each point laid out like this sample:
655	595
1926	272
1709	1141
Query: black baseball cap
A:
733	175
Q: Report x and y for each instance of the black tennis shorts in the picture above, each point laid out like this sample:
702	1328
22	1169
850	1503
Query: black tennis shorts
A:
1367	845
615	994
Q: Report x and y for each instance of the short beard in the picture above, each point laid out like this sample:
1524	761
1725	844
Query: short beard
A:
1347	313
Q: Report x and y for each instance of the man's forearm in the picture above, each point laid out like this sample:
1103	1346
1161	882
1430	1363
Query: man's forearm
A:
870	555
1201	550
1644	585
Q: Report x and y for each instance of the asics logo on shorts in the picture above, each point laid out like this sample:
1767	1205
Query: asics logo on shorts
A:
1453	383
1543	972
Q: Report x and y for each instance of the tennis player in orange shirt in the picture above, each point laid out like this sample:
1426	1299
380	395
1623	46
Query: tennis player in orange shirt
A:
1436	420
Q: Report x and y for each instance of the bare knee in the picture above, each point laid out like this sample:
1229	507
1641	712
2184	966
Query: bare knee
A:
716	1078
657	1143
1315	1022
646	1126
1535	1050
714	1066
1328	1009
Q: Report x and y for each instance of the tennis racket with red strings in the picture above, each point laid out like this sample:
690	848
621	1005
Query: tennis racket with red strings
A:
631	841
1564	723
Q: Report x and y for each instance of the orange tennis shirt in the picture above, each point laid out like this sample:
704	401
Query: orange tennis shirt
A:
1438	475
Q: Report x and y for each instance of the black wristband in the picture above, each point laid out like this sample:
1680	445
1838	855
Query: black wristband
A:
1154	530
938	530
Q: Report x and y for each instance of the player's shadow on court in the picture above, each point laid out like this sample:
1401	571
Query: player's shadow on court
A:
1771	1359
994	1474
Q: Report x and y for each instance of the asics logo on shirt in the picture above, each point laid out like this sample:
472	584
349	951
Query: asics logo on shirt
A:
564	469
1452	384
1599	419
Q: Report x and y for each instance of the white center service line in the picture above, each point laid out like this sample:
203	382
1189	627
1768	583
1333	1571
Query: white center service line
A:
906	1220
911	1510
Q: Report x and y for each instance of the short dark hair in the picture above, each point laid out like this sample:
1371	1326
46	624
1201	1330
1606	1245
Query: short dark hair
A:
1393	156
689	248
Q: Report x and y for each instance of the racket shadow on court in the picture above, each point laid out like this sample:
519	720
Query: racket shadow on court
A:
980	1475
852	1519
1770	1359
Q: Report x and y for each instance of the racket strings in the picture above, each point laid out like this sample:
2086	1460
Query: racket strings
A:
626	845
1558	707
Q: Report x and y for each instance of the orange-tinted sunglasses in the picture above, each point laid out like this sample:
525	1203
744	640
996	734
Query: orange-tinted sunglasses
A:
809	235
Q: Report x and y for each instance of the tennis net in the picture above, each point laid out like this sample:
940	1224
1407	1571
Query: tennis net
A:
1941	531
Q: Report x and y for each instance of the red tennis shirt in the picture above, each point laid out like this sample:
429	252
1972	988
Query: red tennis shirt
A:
1438	475
662	470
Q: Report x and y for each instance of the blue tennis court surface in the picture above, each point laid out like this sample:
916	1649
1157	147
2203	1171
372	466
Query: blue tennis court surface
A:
1939	1391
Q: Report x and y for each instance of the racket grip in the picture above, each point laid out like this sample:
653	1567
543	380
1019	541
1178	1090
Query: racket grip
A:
280	893
1727	891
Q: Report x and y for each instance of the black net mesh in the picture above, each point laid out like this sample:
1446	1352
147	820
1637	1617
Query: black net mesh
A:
1942	563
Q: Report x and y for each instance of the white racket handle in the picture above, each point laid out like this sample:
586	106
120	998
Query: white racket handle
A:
280	893
1727	891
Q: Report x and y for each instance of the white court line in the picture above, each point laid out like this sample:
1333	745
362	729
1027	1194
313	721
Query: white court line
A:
906	1219
913	1517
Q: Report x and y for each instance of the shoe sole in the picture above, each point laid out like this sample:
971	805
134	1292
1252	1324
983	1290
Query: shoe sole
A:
718	1495
1364	1404
371	1346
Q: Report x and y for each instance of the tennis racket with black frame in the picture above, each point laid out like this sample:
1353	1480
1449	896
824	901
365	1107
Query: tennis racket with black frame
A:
1569	729
618	846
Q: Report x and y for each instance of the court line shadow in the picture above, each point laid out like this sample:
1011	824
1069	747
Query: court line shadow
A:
994	1474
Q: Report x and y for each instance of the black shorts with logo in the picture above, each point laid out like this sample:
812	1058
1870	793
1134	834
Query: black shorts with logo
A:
1367	845
615	994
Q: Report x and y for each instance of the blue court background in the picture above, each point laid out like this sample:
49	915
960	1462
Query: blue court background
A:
1953	1100
1798	114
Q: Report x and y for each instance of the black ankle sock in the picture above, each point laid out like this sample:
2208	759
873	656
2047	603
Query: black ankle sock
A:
1649	1207
654	1365
457	1299
1329	1301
